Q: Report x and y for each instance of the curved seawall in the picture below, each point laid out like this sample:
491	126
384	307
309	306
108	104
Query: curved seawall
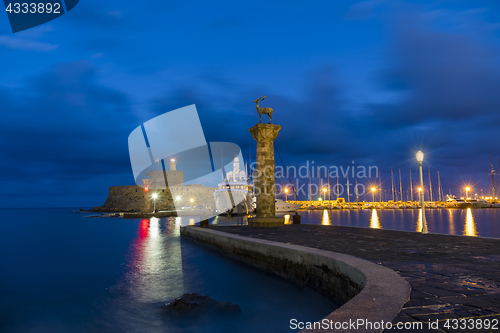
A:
367	291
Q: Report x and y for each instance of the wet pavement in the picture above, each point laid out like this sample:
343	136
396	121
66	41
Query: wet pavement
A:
455	279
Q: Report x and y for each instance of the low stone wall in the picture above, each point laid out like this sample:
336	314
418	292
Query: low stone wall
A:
366	290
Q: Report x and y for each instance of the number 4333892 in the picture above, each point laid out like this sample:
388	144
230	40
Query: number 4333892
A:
34	8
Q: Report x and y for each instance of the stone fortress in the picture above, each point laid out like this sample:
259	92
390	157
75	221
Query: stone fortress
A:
173	196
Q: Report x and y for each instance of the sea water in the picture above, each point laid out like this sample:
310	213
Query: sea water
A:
64	272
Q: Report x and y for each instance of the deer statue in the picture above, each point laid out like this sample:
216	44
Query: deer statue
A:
261	111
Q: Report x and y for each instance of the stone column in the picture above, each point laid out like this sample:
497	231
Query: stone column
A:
265	134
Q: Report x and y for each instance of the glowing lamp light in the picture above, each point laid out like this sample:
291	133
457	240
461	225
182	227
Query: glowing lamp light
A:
320	199
146	189
286	190
178	198
172	160
467	188
420	189
192	200
420	156
373	189
324	189
155	195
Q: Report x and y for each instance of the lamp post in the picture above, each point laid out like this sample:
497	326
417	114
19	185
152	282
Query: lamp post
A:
420	159
324	193
467	189
154	201
373	193
286	194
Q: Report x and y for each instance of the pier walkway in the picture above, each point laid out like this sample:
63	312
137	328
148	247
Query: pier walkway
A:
452	277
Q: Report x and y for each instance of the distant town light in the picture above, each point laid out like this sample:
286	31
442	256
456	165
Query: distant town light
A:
420	156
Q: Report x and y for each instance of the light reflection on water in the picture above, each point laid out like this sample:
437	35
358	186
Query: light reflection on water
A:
162	267
420	225
374	223
326	218
63	272
469	222
470	226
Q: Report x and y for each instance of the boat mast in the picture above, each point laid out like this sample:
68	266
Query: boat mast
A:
411	187
319	181
400	186
309	172
440	190
356	188
492	176
337	186
430	182
348	198
392	184
380	185
329	192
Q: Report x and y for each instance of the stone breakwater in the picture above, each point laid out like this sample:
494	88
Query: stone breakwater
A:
366	290
451	277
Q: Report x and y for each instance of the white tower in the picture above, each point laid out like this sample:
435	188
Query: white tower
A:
173	164
236	167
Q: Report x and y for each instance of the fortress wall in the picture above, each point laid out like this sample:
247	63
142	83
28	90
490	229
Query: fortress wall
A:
126	198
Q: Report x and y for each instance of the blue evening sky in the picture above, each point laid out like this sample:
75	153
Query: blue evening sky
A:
370	81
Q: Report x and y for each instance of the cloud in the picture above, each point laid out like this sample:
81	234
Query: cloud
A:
16	43
444	72
63	128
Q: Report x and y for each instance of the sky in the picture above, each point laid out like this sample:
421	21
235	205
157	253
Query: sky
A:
371	82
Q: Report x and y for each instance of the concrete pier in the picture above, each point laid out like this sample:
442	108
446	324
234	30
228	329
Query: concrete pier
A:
265	134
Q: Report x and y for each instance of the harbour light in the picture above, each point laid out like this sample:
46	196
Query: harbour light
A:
420	156
155	195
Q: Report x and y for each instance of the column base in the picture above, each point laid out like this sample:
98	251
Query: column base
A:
266	221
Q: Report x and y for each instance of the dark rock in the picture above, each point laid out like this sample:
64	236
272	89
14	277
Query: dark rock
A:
195	304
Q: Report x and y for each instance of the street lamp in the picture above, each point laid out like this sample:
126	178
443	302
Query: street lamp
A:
420	159
373	193
324	193
154	201
467	189
286	194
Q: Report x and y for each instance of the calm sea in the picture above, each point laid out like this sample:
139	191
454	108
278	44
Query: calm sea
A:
468	222
63	272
